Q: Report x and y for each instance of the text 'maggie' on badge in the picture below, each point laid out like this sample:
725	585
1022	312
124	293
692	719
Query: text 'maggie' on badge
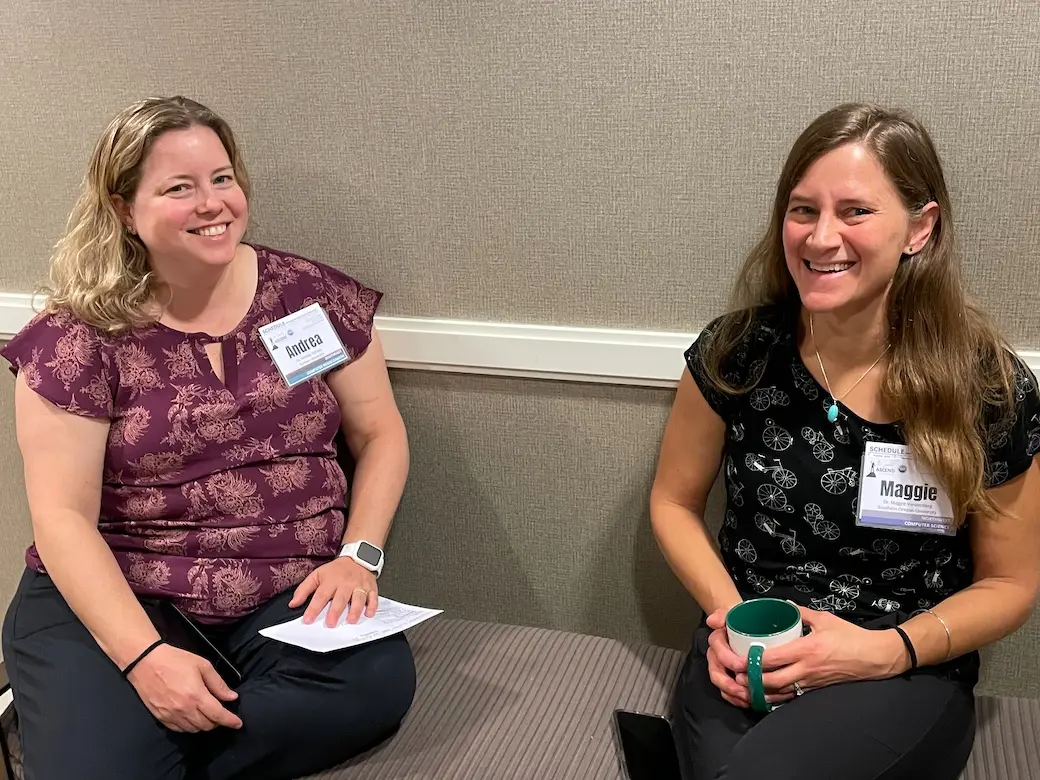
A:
896	494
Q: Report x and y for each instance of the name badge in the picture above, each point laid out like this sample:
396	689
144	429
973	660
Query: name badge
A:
895	494
303	344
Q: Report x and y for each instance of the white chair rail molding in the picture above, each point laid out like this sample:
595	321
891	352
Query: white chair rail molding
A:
614	356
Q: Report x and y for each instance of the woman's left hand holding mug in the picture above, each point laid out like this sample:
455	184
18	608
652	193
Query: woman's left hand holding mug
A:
835	651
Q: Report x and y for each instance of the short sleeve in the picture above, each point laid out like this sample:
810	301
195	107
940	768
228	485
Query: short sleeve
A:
718	400
1013	439
351	307
66	362
742	367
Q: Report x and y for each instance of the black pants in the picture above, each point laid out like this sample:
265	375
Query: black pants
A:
916	726
301	711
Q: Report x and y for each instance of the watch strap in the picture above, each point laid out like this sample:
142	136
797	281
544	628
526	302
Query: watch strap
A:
351	549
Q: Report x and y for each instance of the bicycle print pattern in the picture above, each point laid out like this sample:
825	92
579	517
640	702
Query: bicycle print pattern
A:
792	480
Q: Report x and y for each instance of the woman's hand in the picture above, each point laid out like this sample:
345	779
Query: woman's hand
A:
723	663
183	690
836	651
342	583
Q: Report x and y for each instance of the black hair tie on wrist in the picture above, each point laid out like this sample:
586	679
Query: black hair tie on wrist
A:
136	661
909	646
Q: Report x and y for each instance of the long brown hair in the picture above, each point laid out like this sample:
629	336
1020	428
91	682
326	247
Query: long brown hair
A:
99	272
949	366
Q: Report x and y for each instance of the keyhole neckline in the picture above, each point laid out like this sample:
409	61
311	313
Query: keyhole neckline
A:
201	337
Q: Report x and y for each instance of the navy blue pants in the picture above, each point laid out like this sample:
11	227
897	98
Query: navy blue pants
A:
302	712
919	725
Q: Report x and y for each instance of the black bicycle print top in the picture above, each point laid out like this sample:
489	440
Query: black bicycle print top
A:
792	482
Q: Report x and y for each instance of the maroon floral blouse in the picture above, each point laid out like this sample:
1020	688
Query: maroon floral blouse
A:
217	495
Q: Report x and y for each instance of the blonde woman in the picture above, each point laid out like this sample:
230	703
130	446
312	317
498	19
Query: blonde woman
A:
184	486
851	331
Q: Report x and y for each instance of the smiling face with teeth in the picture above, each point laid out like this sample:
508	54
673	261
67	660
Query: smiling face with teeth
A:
188	209
845	231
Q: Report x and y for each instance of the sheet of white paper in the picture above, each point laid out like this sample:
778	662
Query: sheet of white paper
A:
391	617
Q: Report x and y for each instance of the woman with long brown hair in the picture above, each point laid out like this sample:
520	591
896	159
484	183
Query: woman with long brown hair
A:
851	335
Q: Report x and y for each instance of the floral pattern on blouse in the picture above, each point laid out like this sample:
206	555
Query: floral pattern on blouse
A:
218	495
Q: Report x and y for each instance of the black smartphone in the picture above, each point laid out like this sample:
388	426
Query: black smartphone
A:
647	746
180	631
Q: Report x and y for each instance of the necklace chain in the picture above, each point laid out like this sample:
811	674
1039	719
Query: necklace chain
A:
826	381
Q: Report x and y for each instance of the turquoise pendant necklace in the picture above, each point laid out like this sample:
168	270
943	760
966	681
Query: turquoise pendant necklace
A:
832	409
832	412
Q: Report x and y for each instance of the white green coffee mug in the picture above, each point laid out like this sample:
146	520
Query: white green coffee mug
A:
754	625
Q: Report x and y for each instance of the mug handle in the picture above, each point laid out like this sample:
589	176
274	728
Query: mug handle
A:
754	678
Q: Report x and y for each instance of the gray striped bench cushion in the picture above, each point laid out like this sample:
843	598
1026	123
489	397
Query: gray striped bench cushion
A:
499	701
1007	743
502	702
507	703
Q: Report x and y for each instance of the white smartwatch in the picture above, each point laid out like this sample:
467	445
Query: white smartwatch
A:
365	554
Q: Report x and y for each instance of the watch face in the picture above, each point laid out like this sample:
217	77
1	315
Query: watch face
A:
369	554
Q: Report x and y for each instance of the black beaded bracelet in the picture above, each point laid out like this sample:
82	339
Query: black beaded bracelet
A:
136	661
909	646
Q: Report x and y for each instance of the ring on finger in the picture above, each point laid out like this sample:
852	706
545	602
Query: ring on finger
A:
798	690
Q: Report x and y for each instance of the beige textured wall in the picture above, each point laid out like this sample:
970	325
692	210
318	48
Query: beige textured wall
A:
528	503
15	528
570	161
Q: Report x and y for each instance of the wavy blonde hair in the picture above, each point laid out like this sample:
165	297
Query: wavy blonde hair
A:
949	368
99	271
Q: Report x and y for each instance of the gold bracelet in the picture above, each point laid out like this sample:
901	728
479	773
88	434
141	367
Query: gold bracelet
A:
949	639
